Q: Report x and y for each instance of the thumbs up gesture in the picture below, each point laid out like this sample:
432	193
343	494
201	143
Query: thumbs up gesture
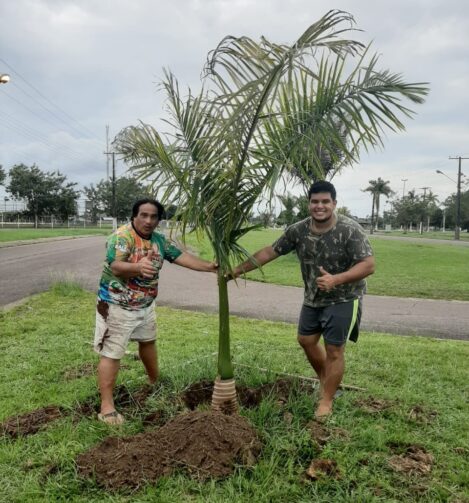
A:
326	281
146	266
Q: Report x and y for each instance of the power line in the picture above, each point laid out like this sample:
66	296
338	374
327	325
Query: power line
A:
32	134
84	129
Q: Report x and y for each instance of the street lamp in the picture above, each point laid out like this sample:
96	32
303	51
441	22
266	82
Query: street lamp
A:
403	188
457	229
4	78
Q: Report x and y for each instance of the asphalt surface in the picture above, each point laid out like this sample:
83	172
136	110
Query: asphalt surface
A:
31	268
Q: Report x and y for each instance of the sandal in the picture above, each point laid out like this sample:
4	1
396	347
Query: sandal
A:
113	418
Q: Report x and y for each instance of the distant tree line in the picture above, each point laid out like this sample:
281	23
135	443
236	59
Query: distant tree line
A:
49	194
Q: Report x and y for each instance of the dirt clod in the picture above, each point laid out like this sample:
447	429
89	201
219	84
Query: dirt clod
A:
323	468
31	422
415	460
420	414
321	433
206	444
373	405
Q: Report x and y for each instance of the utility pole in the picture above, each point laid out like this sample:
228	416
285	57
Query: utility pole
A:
457	231
113	185
107	150
403	188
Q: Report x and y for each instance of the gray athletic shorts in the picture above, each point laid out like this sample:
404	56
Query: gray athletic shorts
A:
337	323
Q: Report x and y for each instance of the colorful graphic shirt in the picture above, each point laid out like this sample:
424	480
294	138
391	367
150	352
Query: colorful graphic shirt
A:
126	245
337	250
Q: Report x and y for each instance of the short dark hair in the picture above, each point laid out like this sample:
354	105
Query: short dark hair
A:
322	186
148	200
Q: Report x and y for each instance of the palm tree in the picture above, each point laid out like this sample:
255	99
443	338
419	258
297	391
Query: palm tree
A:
377	188
250	125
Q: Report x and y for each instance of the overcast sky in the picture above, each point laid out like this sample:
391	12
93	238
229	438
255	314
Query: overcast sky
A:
76	66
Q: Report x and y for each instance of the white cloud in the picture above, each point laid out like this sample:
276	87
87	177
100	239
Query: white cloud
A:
99	62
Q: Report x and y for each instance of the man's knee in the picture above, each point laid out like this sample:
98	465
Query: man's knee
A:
308	341
334	352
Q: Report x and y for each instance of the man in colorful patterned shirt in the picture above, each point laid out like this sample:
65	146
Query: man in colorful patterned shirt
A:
127	291
335	258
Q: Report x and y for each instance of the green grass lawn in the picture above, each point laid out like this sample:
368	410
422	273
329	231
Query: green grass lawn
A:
447	235
7	235
23	234
50	334
404	269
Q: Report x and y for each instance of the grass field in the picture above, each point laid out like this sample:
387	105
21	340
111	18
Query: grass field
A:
422	382
26	234
403	269
447	235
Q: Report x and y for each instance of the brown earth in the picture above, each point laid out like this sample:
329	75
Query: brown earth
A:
31	422
206	444
420	414
249	397
412	460
320	468
374	405
321	433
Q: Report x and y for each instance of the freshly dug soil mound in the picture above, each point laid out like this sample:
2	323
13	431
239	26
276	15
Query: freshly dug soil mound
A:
206	444
30	423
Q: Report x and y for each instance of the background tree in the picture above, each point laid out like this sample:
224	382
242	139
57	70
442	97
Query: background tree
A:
128	190
288	215
3	175
408	210
343	210
377	188
235	139
45	193
450	210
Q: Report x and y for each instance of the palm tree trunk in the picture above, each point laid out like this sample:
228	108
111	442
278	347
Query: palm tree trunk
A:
377	211
372	215
224	391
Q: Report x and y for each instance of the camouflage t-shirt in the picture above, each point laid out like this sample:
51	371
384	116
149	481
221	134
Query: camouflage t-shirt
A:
337	250
126	245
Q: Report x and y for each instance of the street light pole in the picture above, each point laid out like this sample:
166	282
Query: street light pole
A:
403	188
113	186
457	230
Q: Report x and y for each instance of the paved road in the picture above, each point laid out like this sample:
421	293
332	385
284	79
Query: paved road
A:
31	268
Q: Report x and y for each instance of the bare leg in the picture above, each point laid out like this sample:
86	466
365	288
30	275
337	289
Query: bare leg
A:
333	373
108	369
149	357
315	353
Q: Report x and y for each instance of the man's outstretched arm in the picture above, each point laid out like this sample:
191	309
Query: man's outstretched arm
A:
197	264
261	257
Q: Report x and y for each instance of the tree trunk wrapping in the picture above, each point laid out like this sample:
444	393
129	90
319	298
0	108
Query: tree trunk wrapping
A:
224	397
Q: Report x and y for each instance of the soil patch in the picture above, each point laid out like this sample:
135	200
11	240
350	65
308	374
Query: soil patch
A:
249	397
30	423
420	414
374	405
205	444
320	468
414	460
124	399
321	434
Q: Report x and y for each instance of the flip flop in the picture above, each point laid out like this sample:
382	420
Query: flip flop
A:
113	418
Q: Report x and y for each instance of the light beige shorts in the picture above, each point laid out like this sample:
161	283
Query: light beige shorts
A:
115	327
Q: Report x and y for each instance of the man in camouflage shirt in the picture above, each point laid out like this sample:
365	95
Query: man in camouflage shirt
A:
335	257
